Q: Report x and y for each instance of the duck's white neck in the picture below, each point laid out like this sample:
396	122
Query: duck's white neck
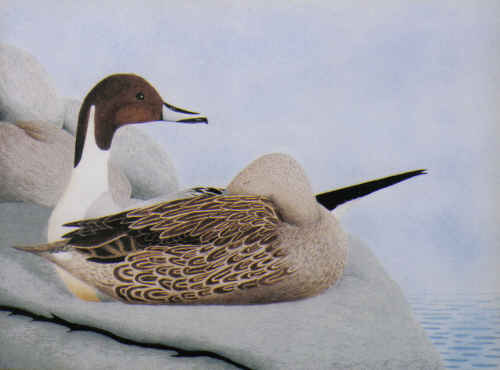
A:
93	166
88	182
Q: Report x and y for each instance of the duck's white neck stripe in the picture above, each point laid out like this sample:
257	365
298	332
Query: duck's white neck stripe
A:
94	161
89	180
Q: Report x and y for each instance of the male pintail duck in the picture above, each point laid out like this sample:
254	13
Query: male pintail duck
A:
116	101
265	238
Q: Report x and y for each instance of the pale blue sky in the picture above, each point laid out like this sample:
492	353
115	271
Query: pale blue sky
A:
354	92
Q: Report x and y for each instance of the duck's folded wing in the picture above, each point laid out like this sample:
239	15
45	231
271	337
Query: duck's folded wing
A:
187	249
195	223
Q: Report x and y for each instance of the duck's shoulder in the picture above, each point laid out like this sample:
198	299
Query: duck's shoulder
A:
206	190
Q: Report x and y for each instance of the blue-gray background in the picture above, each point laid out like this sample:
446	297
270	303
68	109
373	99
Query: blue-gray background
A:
353	90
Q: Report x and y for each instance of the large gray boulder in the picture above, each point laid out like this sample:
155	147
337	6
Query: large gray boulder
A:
26	91
144	162
363	322
36	159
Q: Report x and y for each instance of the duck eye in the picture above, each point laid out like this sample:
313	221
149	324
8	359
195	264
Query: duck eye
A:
140	96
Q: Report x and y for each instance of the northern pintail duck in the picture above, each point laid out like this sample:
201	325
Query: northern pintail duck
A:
265	238
116	101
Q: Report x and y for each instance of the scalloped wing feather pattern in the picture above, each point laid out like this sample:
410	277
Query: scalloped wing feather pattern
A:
185	250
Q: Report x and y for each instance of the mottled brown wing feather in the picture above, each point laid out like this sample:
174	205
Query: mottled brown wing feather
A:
187	249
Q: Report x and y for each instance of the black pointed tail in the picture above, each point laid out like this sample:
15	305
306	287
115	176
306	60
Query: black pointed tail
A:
331	199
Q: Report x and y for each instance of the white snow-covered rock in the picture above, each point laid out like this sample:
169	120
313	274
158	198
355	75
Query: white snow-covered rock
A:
36	159
363	322
144	162
27	92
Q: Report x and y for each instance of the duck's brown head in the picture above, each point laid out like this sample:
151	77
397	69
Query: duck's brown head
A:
123	99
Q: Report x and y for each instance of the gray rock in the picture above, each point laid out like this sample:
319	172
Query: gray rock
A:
26	90
363	322
36	159
144	162
71	111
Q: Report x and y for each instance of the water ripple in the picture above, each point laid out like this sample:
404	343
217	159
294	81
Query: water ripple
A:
484	365
464	328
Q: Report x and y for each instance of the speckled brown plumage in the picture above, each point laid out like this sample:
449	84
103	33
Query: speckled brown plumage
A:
187	249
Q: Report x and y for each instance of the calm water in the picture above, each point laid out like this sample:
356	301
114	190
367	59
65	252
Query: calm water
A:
465	328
